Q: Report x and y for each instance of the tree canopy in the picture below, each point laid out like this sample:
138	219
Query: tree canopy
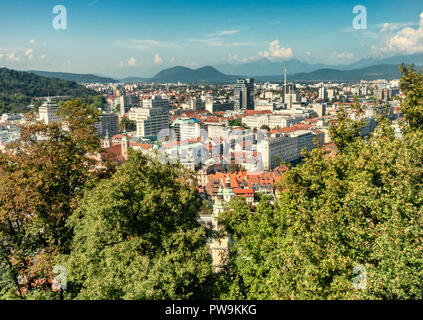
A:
137	236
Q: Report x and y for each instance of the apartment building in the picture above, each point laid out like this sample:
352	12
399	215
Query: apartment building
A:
286	147
152	117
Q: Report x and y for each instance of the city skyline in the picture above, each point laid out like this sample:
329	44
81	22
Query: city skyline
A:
140	39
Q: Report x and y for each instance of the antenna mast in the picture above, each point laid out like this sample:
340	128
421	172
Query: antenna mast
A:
284	81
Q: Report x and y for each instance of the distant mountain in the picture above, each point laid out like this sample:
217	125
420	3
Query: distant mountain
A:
18	87
183	74
266	67
80	78
375	72
211	75
416	59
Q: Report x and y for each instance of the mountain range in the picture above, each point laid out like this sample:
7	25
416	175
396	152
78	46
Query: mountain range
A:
211	75
267	67
262	70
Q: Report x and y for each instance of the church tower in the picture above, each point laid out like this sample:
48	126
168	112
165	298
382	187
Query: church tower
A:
228	193
125	144
219	247
107	140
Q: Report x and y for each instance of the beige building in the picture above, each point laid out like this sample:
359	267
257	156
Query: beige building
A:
48	112
152	117
284	146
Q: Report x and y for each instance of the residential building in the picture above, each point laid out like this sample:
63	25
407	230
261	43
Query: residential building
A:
152	117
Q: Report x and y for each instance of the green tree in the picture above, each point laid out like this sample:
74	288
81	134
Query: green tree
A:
412	106
137	236
42	182
346	130
126	124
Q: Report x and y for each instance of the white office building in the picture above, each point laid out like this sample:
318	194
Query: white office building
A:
284	146
48	112
152	117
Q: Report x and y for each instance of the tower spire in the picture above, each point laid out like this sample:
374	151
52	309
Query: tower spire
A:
284	86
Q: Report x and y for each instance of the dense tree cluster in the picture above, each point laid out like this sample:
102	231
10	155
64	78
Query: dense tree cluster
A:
17	88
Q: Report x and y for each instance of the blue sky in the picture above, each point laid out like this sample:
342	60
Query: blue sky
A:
138	38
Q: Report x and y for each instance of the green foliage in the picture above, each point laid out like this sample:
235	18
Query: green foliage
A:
42	183
347	130
235	123
127	125
412	106
137	236
17	88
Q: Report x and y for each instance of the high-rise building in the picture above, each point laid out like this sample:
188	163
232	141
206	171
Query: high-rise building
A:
194	104
320	109
322	93
213	105
124	103
152	117
108	122
48	112
383	94
244	94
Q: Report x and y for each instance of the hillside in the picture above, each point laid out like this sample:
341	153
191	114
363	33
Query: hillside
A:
80	78
17	88
183	74
266	67
375	72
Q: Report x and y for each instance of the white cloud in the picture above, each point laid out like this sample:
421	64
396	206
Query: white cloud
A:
236	58
217	42
276	51
404	41
12	57
31	41
307	53
263	54
132	61
158	59
172	60
225	32
145	44
342	55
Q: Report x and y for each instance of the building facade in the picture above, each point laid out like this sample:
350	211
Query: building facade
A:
244	94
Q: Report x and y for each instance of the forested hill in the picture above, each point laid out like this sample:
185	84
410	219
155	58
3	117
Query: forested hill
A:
17	88
80	78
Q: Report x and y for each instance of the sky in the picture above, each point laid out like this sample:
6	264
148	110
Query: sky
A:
141	37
